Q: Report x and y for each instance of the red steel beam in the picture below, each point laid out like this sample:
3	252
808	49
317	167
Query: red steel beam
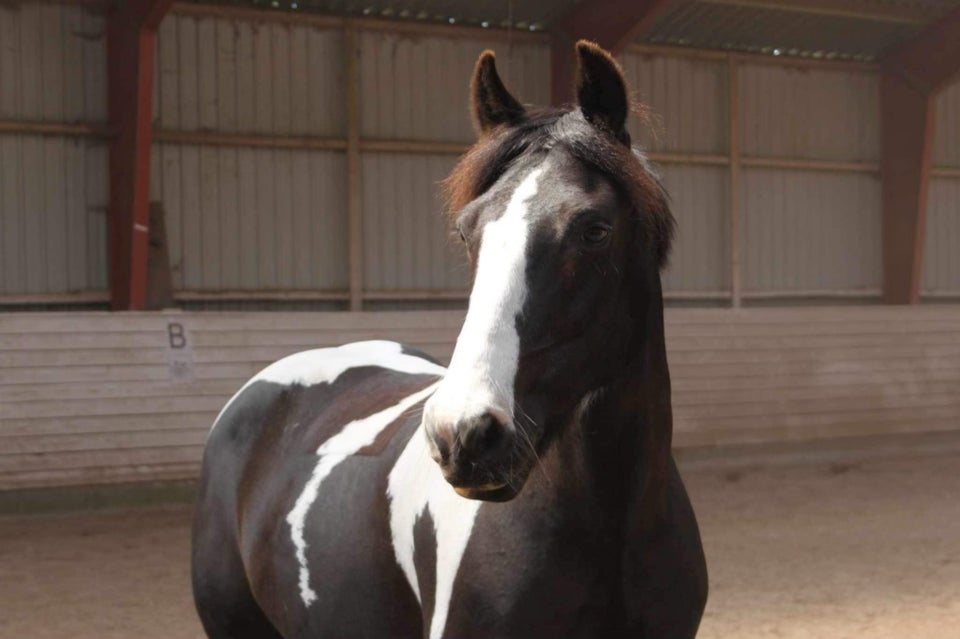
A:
131	35
932	58
613	24
911	76
906	116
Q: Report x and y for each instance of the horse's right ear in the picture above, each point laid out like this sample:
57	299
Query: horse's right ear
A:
601	90
490	103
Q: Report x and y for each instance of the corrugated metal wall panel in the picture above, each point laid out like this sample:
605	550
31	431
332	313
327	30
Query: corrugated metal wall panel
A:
700	260
233	76
253	219
406	241
416	87
808	113
52	189
941	255
810	230
52	214
52	63
687	99
89	397
946	138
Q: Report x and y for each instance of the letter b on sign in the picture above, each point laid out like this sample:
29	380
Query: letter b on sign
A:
178	339
179	352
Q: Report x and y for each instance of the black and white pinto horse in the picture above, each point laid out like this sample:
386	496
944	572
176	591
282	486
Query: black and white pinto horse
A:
527	490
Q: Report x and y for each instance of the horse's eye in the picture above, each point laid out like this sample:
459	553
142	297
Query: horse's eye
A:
595	235
463	237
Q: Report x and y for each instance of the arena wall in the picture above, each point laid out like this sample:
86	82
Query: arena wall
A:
99	398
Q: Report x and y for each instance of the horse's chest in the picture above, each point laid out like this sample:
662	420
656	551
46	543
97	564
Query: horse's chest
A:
496	567
468	564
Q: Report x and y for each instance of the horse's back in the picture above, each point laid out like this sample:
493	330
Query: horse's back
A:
302	451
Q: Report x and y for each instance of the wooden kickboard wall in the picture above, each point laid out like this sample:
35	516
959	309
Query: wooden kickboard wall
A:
90	398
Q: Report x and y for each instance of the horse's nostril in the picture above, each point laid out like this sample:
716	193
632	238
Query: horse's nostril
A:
443	441
480	436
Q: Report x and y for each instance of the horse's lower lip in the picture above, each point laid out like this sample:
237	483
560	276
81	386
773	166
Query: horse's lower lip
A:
482	488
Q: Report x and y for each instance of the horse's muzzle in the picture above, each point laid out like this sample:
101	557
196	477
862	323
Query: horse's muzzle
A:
474	455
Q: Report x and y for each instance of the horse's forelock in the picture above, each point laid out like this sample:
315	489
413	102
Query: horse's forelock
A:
493	154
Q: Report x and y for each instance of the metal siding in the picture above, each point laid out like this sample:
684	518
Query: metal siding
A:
254	219
941	255
416	87
52	208
808	113
700	260
810	230
946	139
406	242
687	99
233	76
53	64
243	218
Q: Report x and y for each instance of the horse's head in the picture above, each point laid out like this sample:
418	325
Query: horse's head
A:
566	229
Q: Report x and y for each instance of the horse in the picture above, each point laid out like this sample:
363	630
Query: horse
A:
526	490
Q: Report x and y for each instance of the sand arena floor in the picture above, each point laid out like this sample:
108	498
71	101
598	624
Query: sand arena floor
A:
868	550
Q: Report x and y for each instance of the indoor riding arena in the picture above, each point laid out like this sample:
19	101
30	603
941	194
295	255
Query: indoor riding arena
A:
192	190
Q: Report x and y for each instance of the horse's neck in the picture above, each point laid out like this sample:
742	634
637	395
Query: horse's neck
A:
618	446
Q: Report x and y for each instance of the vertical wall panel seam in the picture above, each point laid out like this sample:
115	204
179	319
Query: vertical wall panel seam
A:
733	142
354	204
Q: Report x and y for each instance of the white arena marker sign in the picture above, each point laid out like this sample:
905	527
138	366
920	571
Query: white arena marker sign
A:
179	352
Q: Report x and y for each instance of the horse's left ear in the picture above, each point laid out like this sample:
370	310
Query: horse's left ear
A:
490	102
601	90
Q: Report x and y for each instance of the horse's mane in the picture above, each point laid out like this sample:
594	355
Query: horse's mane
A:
543	129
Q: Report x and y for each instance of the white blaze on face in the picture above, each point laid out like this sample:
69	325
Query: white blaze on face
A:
484	363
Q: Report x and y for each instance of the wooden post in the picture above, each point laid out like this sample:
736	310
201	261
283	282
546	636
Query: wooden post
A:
354	204
131	34
733	184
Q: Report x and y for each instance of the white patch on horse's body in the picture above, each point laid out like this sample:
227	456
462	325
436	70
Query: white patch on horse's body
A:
354	436
484	364
416	484
480	379
325	365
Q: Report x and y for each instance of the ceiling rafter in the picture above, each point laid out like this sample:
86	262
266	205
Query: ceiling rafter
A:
613	24
901	13
931	58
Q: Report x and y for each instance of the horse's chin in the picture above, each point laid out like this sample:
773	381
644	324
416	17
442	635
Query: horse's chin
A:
487	492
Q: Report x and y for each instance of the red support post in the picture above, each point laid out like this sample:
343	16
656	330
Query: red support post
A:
912	75
907	142
613	24
131	35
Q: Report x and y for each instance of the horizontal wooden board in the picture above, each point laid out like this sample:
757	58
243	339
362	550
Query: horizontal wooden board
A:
52	477
88	397
75	442
97	390
101	458
93	425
